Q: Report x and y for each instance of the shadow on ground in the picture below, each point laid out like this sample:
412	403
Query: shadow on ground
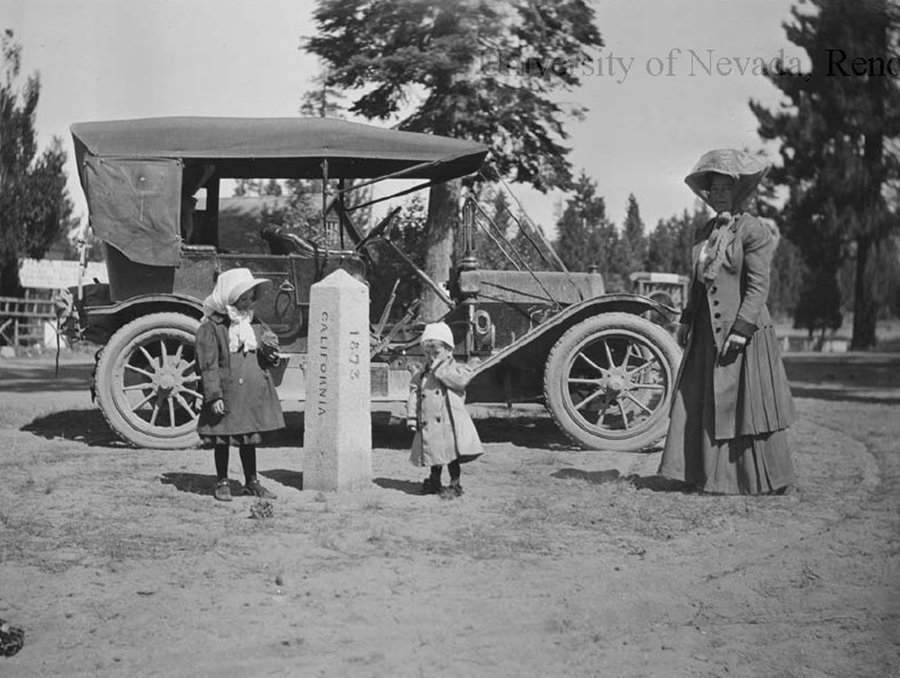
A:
205	484
406	486
286	477
654	483
195	483
89	427
535	433
84	426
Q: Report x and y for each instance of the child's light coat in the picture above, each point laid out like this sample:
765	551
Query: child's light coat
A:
445	431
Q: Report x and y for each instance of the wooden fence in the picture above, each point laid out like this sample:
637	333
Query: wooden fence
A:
22	321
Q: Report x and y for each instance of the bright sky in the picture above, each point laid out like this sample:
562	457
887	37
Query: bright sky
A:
114	59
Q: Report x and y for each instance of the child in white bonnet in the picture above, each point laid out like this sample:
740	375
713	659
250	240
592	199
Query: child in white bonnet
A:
436	411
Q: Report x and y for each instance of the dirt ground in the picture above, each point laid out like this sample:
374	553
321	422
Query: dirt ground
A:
556	562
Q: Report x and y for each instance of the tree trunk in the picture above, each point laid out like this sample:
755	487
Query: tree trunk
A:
865	311
443	209
9	278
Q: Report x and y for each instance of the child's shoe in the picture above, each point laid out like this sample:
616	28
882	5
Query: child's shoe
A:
430	486
452	491
256	489
223	490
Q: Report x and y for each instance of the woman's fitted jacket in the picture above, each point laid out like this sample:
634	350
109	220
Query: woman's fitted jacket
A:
736	300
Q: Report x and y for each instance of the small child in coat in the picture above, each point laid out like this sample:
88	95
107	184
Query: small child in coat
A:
436	411
234	352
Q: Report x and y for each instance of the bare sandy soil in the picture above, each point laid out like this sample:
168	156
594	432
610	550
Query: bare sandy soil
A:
556	562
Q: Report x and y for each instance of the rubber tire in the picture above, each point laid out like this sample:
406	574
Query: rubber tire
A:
125	339
555	387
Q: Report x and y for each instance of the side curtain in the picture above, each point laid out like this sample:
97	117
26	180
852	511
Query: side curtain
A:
135	206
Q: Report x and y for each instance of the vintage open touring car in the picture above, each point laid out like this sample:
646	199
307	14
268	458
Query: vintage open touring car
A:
603	370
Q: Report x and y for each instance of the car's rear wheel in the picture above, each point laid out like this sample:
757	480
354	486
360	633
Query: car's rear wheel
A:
609	380
147	384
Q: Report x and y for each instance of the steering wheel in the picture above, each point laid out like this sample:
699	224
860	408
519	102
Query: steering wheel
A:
380	228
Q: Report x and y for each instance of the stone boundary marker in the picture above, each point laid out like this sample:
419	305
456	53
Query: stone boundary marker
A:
337	447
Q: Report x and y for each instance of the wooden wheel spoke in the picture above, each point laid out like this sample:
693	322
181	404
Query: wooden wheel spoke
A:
647	387
624	415
172	412
638	403
163	353
178	352
627	356
184	404
149	358
131	367
591	397
609	356
136	387
187	366
590	362
640	368
604	406
155	413
191	392
143	402
583	380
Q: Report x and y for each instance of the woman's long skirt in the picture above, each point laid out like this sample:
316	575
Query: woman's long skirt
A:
747	464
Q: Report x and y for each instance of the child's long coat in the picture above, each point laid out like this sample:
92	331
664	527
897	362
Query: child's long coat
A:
251	401
445	431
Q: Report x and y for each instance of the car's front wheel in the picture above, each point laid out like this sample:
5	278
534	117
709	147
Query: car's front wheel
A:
147	383
608	381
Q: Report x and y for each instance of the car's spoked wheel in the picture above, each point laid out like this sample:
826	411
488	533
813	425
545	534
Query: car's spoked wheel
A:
609	381
158	383
148	384
616	383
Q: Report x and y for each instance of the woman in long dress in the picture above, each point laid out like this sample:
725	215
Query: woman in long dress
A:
732	403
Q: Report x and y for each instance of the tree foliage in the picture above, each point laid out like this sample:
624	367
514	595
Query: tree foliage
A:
632	251
585	237
408	233
495	231
838	134
35	208
473	69
669	245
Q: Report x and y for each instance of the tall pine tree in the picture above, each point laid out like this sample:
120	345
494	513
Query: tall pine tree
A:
583	230
35	208
473	69
633	242
838	137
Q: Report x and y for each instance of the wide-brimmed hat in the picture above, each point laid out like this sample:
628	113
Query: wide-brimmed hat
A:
236	281
746	170
437	332
230	285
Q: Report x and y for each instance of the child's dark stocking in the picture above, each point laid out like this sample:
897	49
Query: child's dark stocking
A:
454	489
252	486
221	455
248	461
432	484
222	491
